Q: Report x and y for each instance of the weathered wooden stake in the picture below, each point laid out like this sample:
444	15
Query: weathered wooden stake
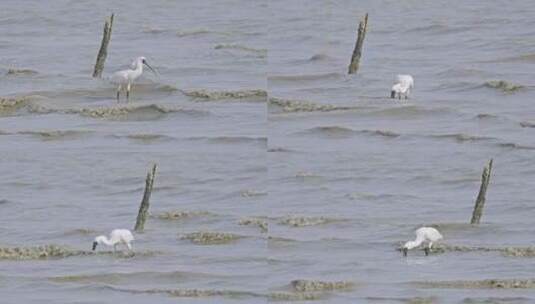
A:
480	201
103	52
357	52
144	207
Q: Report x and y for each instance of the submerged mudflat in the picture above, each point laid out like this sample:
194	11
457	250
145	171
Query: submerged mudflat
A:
280	178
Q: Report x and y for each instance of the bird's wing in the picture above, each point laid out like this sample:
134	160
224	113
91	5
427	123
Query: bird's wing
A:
120	77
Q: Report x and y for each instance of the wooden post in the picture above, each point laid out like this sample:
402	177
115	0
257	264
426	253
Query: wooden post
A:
144	207
480	201
357	52
103	52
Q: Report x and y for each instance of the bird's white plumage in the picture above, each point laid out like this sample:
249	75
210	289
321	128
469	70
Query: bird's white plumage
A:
117	236
427	235
125	78
403	86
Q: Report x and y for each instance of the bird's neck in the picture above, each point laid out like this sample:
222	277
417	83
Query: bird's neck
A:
104	240
139	68
417	242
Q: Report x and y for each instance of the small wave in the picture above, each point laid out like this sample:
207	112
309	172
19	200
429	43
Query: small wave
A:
504	86
57	135
231	140
293	106
252	193
522	58
411	111
331	131
178	215
460	137
131	112
515	146
21	72
194	293
310	285
255	221
146	138
319	57
152	30
337	132
279	150
313	77
527	124
222	95
114	278
486	116
384	133
211	238
440	28
194	32
305	174
260	52
80	231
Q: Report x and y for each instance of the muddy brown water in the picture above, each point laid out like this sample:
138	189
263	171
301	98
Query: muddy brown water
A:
280	178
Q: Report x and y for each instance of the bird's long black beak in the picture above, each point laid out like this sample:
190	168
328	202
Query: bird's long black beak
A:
95	245
405	251
393	94
145	62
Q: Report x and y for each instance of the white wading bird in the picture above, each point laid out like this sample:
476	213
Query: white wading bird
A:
125	78
117	236
423	235
403	85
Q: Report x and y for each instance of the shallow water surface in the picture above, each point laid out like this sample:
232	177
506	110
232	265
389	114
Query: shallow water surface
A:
280	178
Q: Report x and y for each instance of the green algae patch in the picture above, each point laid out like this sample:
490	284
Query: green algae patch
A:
205	95
8	105
295	296
295	106
303	221
211	238
44	252
503	86
505	251
38	252
254	221
20	72
312	285
481	284
197	293
414	300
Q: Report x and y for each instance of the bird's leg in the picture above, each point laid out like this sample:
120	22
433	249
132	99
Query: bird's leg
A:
118	93
128	92
428	248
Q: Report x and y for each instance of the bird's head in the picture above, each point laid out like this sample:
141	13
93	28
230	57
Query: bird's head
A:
97	241
406	247
395	89
143	60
